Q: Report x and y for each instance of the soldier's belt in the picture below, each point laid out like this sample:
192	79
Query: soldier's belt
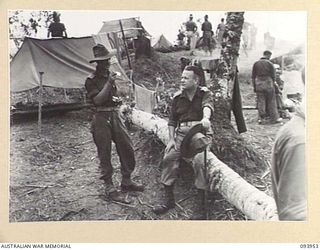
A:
102	109
188	123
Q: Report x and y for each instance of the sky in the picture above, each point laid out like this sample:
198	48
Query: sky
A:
284	25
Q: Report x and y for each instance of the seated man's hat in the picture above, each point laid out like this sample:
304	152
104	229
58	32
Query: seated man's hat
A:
194	142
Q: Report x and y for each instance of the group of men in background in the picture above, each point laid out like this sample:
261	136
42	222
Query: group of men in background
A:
209	40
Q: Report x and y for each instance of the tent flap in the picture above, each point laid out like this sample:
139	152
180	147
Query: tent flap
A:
131	27
65	63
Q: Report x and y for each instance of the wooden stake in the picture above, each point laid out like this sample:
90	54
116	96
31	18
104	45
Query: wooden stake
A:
125	44
116	43
40	103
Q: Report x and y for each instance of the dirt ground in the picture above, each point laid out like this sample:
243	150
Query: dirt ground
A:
55	176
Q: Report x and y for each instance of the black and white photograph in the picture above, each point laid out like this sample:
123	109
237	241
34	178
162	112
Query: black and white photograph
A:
157	115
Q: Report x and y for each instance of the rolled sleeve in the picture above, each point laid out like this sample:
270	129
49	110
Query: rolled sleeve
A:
207	100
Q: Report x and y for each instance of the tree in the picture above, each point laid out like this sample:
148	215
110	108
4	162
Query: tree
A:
27	23
228	145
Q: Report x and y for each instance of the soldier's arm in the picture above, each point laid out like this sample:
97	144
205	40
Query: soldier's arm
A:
98	97
207	102
103	95
207	107
172	124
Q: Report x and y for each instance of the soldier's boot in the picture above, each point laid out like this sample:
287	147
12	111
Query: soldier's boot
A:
128	185
200	212
113	194
167	203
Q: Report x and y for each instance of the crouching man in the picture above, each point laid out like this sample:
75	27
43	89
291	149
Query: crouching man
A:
190	107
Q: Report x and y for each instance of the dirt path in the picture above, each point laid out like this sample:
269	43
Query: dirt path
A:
56	177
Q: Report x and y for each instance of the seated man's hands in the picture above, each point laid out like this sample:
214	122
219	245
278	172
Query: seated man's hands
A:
171	144
206	123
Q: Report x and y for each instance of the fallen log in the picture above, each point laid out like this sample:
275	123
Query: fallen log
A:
255	204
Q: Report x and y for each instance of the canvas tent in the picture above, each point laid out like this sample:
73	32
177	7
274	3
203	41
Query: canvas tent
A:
293	60
161	43
64	61
131	27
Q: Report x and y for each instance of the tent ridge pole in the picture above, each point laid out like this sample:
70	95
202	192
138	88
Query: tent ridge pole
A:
40	103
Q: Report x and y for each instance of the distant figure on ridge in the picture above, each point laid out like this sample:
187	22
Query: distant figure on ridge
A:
207	35
191	28
57	29
220	31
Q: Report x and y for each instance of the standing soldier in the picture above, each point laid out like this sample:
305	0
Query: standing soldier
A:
220	31
263	79
107	126
207	35
191	28
56	29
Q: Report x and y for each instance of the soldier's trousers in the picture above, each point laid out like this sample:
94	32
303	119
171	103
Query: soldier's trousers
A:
107	127
266	98
171	161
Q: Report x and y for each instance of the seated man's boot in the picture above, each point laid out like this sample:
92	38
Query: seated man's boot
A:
167	203
200	213
128	185
113	194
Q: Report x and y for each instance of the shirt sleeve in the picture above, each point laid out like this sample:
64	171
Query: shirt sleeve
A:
173	118
207	100
91	88
291	186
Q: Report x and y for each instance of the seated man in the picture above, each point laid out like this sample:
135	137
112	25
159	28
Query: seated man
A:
191	106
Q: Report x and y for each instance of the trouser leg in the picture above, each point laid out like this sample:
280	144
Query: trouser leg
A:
272	105
170	167
124	147
193	42
261	104
200	172
101	132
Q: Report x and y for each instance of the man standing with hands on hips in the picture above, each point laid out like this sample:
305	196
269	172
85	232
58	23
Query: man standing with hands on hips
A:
191	28
107	126
190	107
263	79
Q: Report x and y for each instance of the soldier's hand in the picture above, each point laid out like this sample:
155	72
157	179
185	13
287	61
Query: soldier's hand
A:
206	123
171	144
113	76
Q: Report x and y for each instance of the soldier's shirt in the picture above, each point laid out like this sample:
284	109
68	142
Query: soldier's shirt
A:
56	29
94	84
183	109
263	67
191	26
